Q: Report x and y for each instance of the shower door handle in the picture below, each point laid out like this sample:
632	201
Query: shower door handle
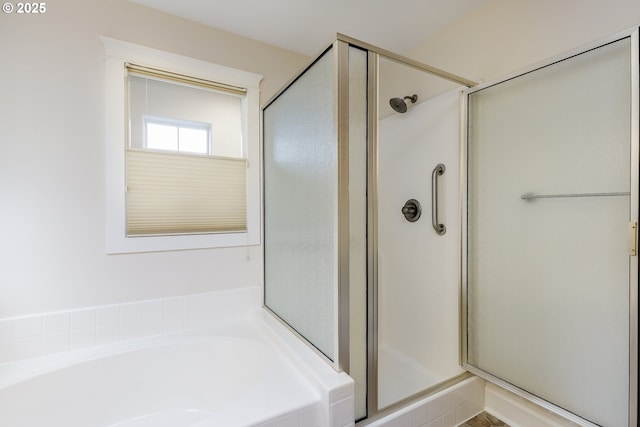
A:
439	228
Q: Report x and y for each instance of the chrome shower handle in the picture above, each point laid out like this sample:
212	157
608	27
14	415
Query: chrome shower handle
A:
439	228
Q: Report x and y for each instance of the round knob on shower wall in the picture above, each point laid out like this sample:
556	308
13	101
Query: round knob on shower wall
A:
412	210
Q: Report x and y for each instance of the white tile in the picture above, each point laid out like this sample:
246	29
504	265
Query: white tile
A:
404	420
225	304
25	348
455	398
83	319
153	309
194	312
108	315
107	334
6	330
27	327
466	411
449	401
82	338
173	306
420	415
173	318
476	395
55	343
131	313
449	419
151	327
130	331
57	323
246	300
435	408
5	352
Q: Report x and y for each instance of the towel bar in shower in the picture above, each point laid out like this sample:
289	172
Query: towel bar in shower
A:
531	196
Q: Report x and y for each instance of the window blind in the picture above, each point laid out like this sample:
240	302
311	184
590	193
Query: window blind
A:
173	193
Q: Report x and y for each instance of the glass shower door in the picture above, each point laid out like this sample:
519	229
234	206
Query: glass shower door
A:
551	197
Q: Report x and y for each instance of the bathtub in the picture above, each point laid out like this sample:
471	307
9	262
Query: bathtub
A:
239	374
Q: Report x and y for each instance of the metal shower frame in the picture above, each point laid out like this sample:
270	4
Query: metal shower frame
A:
341	323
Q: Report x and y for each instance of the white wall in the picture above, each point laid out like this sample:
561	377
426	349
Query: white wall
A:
502	36
52	185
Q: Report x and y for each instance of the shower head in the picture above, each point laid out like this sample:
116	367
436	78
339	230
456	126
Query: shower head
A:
399	105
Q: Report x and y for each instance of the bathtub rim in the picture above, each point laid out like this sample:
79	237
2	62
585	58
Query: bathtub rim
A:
18	371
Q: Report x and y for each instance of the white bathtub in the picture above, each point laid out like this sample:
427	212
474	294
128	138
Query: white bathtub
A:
229	376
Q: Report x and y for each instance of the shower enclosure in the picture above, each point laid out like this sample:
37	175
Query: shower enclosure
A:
409	262
374	293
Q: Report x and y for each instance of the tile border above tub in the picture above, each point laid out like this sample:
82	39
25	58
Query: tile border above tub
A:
47	333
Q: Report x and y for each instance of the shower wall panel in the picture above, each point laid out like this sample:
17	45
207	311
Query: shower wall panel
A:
418	282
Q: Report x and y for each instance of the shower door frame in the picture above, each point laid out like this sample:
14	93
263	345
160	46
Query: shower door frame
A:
633	35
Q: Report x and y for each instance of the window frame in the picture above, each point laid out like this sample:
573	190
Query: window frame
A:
118	54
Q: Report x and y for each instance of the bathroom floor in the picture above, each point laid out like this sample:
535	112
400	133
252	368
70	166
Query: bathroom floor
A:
484	420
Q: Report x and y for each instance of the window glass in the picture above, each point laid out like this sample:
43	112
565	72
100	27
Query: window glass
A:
162	137
180	136
166	115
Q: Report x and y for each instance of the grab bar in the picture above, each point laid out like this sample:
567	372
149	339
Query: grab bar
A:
439	228
531	196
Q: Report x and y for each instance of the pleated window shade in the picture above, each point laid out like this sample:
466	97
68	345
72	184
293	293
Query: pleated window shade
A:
172	193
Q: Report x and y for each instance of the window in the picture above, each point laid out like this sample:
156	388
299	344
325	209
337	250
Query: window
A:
179	172
177	135
177	182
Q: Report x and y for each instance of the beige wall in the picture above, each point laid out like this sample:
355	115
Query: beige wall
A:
52	165
502	36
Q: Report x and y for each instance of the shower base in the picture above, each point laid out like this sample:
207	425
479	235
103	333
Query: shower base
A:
400	376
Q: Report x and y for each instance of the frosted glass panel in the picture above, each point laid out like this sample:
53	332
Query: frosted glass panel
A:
300	172
548	278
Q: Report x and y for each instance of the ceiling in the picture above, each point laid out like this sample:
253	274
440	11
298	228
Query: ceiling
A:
306	26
